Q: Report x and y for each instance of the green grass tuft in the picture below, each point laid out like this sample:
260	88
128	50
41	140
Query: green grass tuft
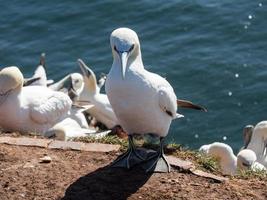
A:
249	174
109	139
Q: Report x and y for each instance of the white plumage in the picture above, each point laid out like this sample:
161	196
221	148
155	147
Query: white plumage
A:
246	159
32	108
102	109
143	101
39	109
258	142
39	77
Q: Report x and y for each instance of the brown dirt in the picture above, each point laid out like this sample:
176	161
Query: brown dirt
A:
86	175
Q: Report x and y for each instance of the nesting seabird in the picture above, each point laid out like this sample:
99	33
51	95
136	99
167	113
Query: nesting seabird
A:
32	108
143	102
229	163
258	142
247	159
102	109
247	134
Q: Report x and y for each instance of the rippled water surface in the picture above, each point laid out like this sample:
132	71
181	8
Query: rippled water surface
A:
212	52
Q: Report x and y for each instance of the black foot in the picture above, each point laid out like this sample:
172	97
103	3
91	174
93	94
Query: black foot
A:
157	162
131	157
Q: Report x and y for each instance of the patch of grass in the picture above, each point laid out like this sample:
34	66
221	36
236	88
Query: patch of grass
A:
109	139
208	163
249	174
201	161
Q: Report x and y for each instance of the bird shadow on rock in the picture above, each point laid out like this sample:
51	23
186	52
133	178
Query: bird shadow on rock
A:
107	183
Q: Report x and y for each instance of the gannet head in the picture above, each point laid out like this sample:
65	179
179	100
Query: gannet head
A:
245	159
10	79
125	47
88	77
76	85
204	149
247	133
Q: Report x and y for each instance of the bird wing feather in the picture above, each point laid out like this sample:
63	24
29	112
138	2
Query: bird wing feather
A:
51	108
166	94
167	101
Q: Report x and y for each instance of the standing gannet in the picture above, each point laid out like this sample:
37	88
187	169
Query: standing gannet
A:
32	108
229	163
143	102
102	109
258	142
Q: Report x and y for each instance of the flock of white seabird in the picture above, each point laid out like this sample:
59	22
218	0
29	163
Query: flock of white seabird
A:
137	100
253	155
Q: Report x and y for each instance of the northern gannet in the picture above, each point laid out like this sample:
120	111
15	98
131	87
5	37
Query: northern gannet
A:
31	108
258	142
69	128
247	159
72	84
38	109
143	102
229	163
102	109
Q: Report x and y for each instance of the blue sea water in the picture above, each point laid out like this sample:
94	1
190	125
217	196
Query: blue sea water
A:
214	53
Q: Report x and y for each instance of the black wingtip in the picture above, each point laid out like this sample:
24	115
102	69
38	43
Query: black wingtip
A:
188	104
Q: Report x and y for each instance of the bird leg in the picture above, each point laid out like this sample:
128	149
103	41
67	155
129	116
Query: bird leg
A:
158	162
130	157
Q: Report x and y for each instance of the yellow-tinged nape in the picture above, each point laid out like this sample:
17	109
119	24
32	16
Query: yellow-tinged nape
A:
10	78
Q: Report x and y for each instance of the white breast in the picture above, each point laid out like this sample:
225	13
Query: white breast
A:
135	102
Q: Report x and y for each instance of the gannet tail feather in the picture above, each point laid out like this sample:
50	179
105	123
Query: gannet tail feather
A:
187	104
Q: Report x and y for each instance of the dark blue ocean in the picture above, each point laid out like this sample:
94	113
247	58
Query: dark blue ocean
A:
214	53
